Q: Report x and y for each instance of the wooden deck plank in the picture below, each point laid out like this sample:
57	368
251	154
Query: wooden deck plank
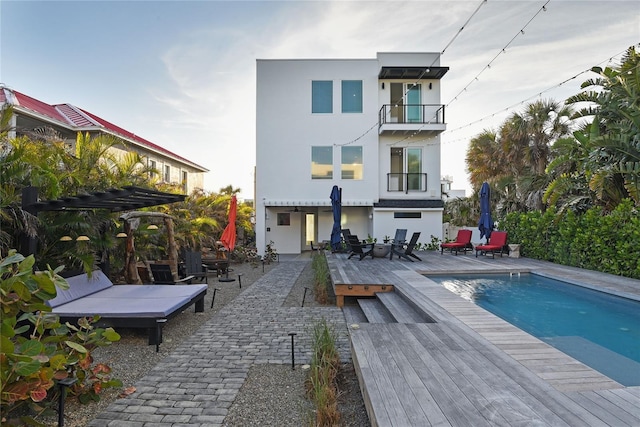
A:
379	379
374	311
475	367
411	392
599	409
399	309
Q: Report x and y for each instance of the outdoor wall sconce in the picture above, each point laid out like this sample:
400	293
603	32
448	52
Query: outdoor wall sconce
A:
82	239
66	239
121	235
430	85
152	227
382	85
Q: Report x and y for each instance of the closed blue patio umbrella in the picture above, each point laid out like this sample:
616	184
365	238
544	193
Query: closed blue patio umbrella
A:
336	207
485	225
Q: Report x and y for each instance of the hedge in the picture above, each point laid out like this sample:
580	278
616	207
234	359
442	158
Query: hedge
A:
608	243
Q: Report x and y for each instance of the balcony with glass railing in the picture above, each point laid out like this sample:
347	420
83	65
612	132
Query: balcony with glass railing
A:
427	119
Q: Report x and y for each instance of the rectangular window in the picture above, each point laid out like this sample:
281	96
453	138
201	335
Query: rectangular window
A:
185	186
167	173
322	96
322	162
352	96
351	162
284	218
404	215
153	167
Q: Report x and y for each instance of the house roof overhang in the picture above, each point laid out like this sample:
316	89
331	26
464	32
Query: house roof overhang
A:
413	73
114	200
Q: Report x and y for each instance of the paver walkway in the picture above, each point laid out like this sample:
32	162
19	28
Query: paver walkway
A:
198	382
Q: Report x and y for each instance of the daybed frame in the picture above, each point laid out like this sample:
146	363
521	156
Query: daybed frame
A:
126	306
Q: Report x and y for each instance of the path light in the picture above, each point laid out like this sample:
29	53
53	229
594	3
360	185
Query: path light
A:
82	239
121	235
66	239
152	227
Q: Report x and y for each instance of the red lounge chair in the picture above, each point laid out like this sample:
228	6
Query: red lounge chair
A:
497	242
462	243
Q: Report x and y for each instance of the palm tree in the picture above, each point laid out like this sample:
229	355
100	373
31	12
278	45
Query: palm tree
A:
614	134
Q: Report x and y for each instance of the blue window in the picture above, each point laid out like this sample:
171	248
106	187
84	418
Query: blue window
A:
322	96
352	96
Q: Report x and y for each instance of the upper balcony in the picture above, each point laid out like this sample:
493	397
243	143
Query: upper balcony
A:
425	119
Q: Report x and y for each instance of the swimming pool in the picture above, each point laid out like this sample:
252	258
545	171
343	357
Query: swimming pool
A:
599	329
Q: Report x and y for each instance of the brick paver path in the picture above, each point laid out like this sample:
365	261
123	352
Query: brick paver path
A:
197	383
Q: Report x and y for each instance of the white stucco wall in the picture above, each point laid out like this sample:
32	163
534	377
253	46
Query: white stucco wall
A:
286	129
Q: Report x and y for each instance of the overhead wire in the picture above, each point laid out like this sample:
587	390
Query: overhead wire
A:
500	52
506	109
423	72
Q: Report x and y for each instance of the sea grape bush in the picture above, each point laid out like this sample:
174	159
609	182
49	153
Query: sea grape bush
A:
37	350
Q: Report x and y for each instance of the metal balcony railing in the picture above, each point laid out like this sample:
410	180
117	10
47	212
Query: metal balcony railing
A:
411	114
407	182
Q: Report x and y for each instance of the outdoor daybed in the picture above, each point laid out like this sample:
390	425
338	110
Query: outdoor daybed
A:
125	306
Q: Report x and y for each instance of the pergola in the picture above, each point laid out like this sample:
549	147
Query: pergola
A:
128	198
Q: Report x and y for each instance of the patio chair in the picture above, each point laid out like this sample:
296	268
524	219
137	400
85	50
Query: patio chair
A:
400	238
345	236
362	250
462	243
193	265
497	243
162	275
407	253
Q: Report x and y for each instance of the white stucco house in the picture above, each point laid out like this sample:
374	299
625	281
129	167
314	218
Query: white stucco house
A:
370	126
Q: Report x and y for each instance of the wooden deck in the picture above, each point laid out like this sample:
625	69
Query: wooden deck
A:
461	365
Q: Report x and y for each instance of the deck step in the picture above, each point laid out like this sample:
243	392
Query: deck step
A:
353	314
401	310
375	311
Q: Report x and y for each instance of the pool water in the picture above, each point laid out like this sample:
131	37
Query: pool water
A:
599	329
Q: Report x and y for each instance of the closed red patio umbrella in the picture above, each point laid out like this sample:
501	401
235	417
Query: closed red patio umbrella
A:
228	238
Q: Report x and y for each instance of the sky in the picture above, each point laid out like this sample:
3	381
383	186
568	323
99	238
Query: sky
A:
182	74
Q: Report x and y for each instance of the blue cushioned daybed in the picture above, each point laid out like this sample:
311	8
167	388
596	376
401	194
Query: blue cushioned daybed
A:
125	306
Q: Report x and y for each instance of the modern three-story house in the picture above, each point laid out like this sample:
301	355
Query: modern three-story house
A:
370	126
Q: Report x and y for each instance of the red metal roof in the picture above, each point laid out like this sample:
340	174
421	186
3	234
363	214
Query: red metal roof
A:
78	119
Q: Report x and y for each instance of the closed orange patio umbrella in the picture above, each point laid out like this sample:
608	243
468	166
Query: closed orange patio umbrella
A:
228	238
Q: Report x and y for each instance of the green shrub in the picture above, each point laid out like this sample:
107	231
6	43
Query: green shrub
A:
607	243
321	278
322	385
37	349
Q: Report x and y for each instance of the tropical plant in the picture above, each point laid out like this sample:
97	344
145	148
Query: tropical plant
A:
37	349
611	161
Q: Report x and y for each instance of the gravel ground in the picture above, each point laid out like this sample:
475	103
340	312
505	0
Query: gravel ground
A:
131	358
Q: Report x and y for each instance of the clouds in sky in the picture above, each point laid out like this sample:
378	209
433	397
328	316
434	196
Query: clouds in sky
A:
182	73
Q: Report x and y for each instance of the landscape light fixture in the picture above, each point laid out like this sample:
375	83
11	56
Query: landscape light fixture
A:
121	235
82	239
152	227
66	239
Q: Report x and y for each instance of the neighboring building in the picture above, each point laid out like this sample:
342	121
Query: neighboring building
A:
449	193
31	115
370	126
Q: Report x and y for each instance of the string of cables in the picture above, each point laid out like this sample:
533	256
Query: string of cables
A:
537	95
423	72
519	103
503	50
